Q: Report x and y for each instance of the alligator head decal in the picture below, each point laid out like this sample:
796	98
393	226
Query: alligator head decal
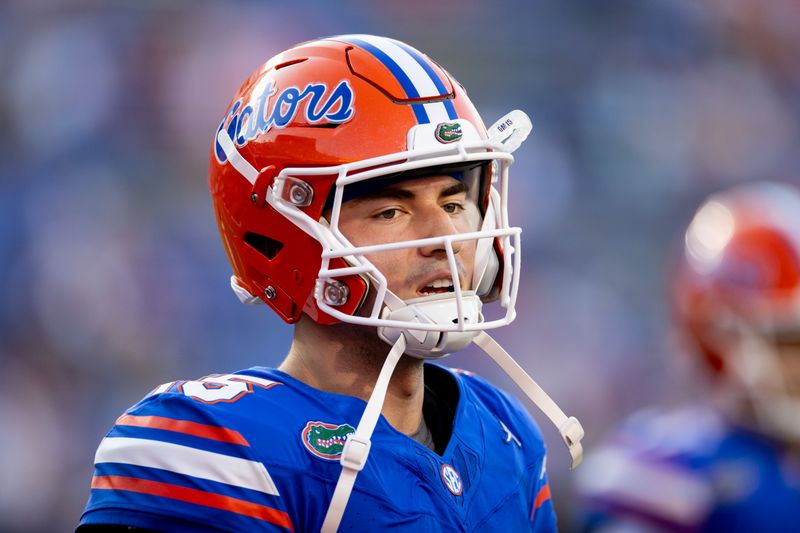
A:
326	440
448	132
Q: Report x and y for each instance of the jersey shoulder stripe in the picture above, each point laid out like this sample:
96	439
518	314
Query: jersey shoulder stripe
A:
186	427
204	484
541	497
170	454
186	460
190	495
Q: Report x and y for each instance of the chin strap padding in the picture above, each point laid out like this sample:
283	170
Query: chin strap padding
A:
570	429
356	449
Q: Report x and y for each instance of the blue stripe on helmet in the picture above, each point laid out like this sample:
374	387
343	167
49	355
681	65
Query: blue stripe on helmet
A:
402	77
437	81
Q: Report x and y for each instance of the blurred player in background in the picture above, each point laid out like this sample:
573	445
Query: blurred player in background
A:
359	196
732	464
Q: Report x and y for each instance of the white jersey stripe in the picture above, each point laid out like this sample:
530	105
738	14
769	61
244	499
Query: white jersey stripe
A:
187	461
251	379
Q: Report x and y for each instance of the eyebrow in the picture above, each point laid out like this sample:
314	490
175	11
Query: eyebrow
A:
456	188
391	193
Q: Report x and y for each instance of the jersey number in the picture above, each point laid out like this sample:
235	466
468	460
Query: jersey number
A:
223	388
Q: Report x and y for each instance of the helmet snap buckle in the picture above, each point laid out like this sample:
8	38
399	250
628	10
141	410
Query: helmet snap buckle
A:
258	194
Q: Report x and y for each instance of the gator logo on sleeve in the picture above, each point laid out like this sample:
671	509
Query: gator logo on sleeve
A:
448	132
326	440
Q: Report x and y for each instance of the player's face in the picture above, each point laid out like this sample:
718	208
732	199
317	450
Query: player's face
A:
430	206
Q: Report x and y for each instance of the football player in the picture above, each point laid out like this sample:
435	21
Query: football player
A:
732	464
359	196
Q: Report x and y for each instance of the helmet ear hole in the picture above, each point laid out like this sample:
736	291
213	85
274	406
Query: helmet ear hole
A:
264	245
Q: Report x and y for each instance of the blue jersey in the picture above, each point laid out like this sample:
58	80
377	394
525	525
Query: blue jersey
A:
689	470
259	451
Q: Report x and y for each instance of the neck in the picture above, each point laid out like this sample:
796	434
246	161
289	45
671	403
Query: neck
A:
346	359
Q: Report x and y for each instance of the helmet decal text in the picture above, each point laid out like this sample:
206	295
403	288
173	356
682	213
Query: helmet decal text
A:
262	112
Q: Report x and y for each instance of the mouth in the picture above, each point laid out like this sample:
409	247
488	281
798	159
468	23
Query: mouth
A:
436	286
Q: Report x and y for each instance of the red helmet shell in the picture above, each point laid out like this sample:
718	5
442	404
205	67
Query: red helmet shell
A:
740	267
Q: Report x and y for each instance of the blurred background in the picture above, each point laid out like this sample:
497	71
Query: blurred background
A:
112	275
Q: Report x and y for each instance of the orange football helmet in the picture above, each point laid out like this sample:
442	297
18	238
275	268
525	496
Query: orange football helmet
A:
340	111
737	296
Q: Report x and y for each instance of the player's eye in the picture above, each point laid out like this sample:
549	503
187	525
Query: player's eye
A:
452	207
387	214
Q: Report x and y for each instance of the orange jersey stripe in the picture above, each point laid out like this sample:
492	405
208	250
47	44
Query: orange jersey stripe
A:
185	494
184	426
543	496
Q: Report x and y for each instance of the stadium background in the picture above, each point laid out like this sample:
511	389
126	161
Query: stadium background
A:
112	276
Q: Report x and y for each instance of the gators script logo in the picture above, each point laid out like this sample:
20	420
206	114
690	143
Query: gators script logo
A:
316	103
326	440
448	132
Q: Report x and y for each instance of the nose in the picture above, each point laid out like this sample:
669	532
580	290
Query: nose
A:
437	223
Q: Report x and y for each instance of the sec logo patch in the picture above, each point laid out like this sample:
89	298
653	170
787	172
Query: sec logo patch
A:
452	480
